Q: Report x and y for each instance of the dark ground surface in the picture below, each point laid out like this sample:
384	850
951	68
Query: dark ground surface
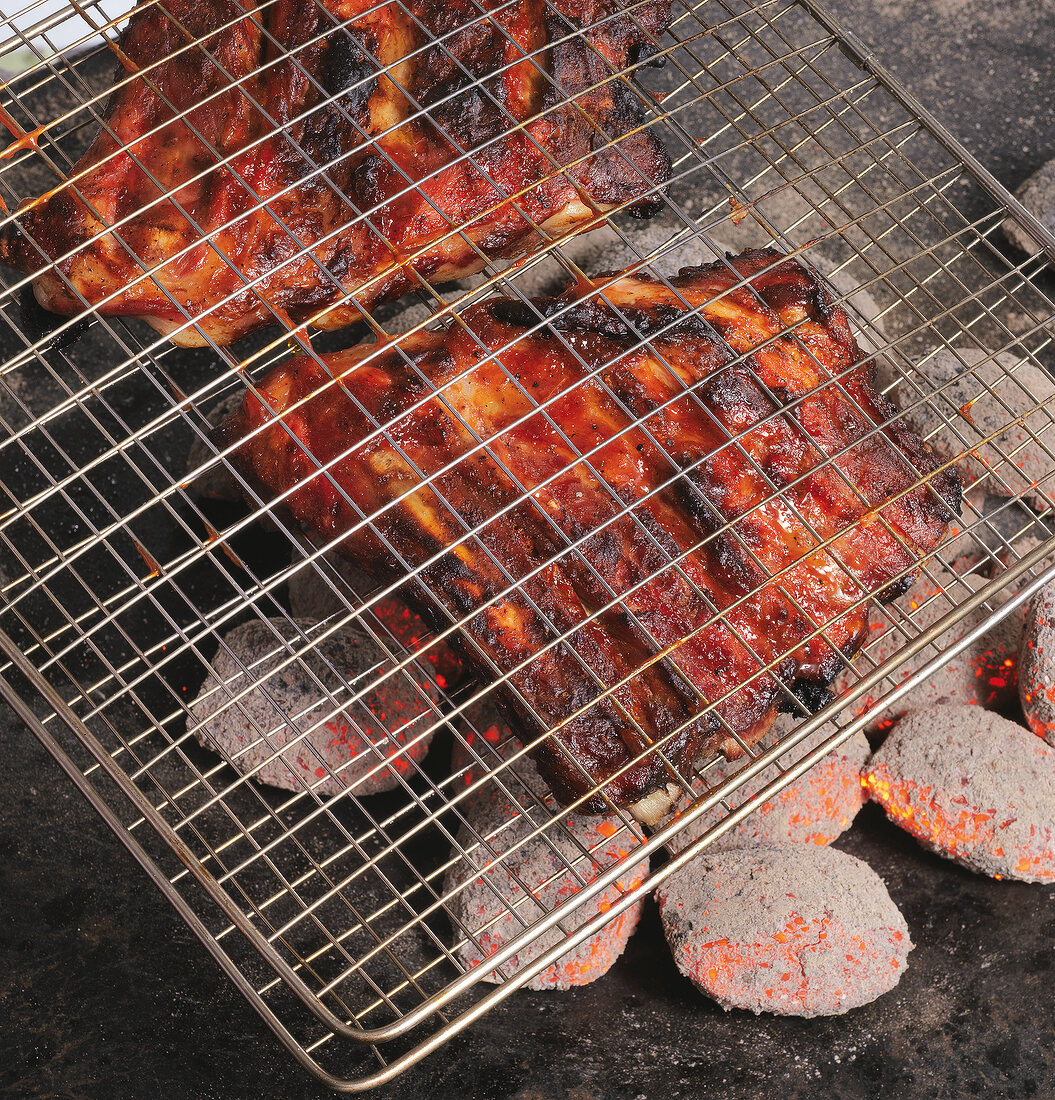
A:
105	993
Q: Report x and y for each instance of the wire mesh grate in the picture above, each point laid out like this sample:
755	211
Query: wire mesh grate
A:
128	562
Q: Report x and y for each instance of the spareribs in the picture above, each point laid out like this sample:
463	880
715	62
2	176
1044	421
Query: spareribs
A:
262	163
655	514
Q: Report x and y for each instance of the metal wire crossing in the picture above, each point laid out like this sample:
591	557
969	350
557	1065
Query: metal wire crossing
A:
120	580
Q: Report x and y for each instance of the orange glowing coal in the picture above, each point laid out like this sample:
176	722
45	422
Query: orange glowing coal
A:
592	959
729	971
949	824
409	630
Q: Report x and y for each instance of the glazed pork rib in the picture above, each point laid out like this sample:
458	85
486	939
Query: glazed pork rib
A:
221	141
743	487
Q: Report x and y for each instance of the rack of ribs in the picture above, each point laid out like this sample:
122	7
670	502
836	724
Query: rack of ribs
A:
294	162
656	515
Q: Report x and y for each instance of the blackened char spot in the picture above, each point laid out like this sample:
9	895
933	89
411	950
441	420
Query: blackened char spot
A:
328	135
626	163
692	497
592	317
897	588
812	694
523	314
669	320
471	119
731	557
949	489
347	69
584	317
645	53
38	322
366	186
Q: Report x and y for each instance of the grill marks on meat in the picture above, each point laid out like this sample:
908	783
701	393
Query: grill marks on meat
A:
418	84
735	496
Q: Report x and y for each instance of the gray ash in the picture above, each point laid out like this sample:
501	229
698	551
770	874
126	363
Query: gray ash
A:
973	787
816	808
797	930
281	730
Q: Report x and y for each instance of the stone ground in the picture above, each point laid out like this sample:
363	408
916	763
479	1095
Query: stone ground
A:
105	993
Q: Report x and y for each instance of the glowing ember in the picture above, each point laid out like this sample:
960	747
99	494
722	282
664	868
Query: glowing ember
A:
313	597
972	787
798	931
484	733
1037	672
469	744
547	847
281	730
985	674
815	809
493	906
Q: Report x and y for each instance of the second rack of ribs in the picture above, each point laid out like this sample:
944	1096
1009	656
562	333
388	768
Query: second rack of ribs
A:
745	487
295	162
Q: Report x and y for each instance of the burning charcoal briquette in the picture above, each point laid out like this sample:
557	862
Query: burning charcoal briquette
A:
485	743
984	674
986	416
815	809
972	787
493	907
1036	677
1037	195
490	894
798	930
324	588
364	746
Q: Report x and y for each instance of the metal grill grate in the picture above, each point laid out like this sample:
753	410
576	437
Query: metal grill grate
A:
122	575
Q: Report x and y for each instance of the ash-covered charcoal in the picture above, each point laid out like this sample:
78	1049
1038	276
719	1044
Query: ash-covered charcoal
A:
990	396
280	730
490	895
1037	195
485	743
818	807
1036	677
972	787
798	930
492	906
984	674
992	532
317	591
214	483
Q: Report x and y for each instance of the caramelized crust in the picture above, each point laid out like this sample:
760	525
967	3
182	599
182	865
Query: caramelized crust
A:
236	124
744	488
